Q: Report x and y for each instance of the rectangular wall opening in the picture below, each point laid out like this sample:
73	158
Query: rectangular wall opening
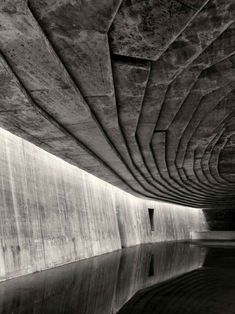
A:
151	266
151	218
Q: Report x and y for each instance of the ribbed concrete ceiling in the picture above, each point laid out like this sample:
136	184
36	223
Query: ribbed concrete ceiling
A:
139	93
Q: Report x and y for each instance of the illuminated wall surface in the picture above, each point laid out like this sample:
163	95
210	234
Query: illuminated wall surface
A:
53	213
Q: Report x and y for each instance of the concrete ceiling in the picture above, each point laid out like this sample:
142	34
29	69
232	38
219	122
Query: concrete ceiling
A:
139	93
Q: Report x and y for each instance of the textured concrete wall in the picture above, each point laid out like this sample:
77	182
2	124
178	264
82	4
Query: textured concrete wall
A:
52	213
213	235
171	222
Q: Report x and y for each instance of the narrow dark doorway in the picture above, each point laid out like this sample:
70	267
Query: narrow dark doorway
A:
121	228
151	218
151	266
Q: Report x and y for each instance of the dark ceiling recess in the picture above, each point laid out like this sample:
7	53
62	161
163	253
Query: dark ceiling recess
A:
139	93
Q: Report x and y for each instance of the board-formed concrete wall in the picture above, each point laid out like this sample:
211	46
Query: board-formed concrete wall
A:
213	235
53	213
170	222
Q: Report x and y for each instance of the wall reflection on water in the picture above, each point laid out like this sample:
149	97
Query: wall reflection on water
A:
99	285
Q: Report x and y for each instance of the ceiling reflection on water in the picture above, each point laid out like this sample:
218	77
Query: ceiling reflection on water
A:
100	285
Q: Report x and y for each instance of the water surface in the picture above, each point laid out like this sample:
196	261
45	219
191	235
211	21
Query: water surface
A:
161	278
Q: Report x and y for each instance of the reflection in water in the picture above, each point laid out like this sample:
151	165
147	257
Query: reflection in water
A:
147	265
208	290
100	285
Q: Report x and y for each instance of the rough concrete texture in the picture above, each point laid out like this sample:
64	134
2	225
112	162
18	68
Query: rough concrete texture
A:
213	235
145	29
53	213
138	93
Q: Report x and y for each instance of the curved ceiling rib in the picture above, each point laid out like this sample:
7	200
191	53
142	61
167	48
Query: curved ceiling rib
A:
139	93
